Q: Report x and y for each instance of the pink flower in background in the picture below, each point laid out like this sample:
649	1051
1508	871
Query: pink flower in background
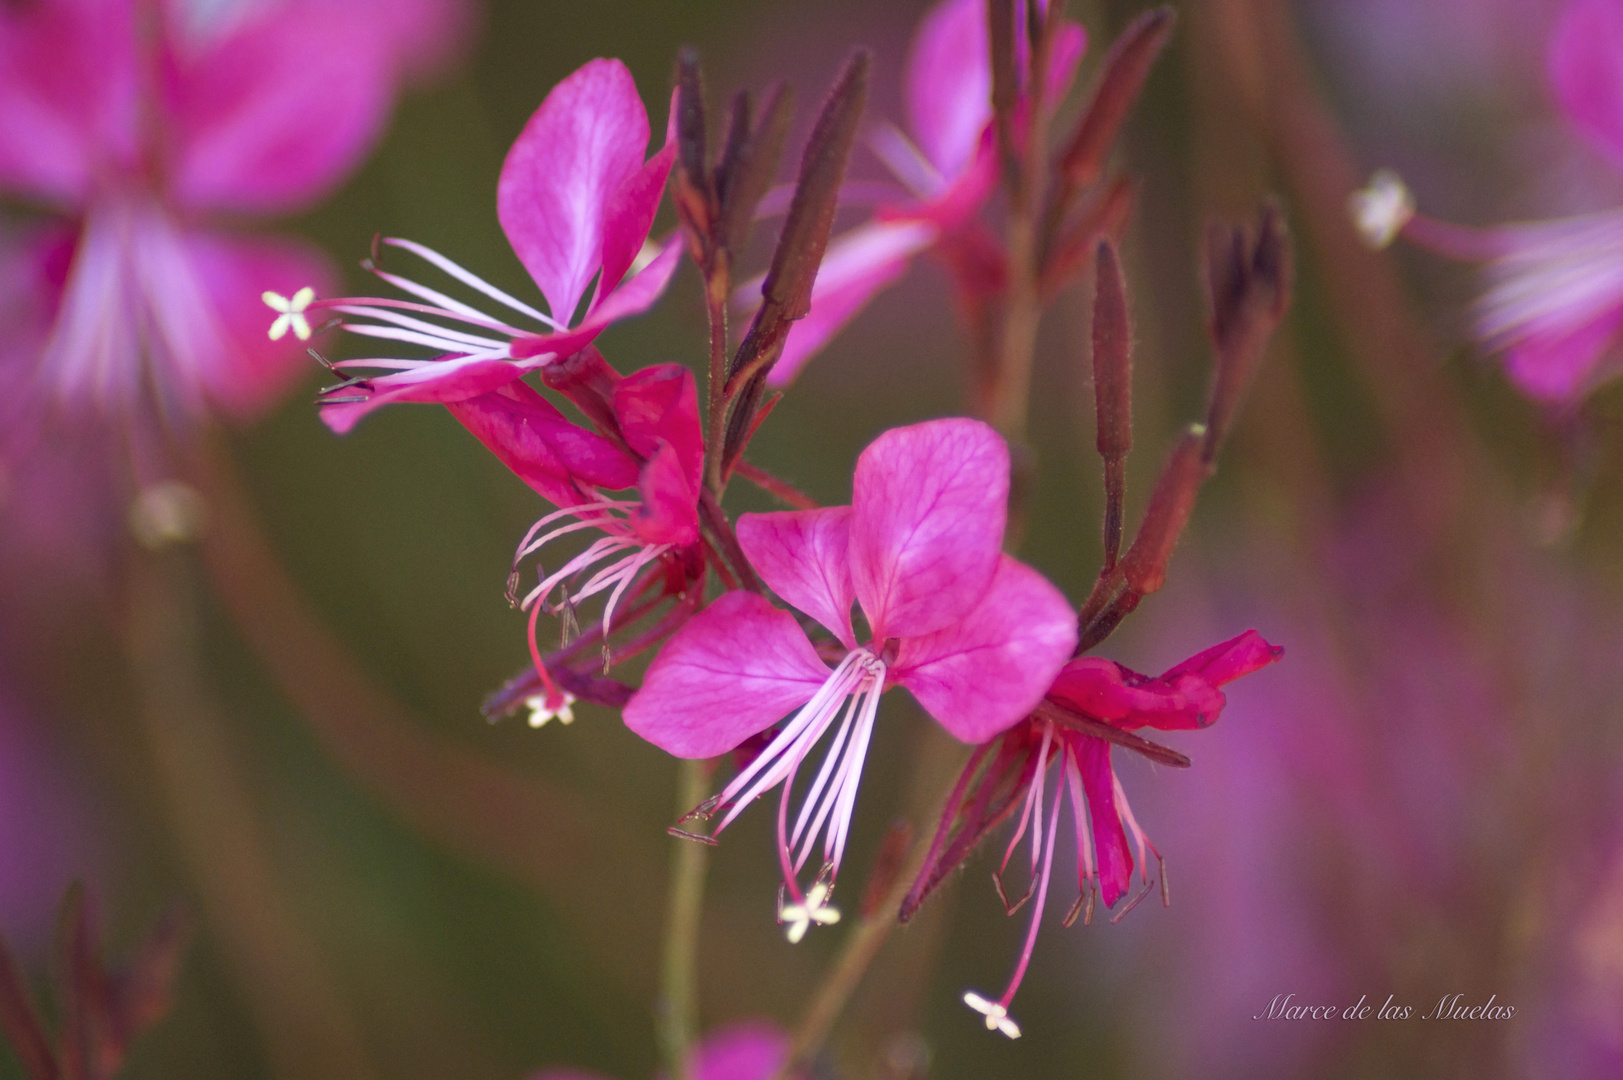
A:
751	1050
949	168
1015	768
659	448
577	201
1554	301
135	124
976	636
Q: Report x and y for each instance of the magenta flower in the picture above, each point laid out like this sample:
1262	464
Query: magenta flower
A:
1554	299
656	445
577	201
137	123
976	636
1015	768
750	1050
949	169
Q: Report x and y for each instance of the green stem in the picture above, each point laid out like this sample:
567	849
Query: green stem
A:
679	977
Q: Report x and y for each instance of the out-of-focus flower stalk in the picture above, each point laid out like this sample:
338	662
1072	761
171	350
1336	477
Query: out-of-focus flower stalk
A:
307	1027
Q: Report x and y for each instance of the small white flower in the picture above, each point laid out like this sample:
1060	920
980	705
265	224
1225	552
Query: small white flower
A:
1382	209
799	917
997	1017
291	313
540	713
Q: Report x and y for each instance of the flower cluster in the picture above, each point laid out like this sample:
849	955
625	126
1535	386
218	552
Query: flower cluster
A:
778	634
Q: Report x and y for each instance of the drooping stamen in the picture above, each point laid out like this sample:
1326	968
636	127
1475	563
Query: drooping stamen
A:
472	280
1030	813
850	697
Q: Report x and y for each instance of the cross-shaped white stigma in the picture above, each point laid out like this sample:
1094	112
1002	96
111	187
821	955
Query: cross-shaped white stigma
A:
290	313
799	917
540	713
1382	209
997	1017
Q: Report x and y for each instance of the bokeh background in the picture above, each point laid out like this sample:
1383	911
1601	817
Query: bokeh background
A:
1422	800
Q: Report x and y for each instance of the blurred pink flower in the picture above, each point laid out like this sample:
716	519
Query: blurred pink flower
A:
1554	301
1016	767
577	201
751	1050
660	449
949	168
976	636
138	122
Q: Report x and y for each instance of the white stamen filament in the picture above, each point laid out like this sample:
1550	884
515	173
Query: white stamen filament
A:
473	280
849	697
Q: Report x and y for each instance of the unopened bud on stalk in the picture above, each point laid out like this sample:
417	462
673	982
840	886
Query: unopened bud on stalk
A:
695	199
787	288
1248	282
1145	564
1112	390
1126	67
749	161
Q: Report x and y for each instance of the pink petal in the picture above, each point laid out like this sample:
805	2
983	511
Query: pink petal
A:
1223	663
736	668
68	95
752	1050
669	512
1586	68
660	405
274	114
634	296
1558	364
541	446
928	505
441	382
988	670
1109	838
255	373
1107	691
802	555
856	266
630	215
585	140
949	84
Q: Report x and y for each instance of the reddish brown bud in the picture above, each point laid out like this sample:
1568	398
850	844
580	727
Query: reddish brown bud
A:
1005	84
749	161
1105	218
693	195
1145	564
1126	67
1112	357
1248	280
811	212
1112	390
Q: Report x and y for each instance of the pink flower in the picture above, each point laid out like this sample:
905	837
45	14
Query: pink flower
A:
976	636
576	200
1554	298
1185	698
654	442
750	1050
137	123
949	169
